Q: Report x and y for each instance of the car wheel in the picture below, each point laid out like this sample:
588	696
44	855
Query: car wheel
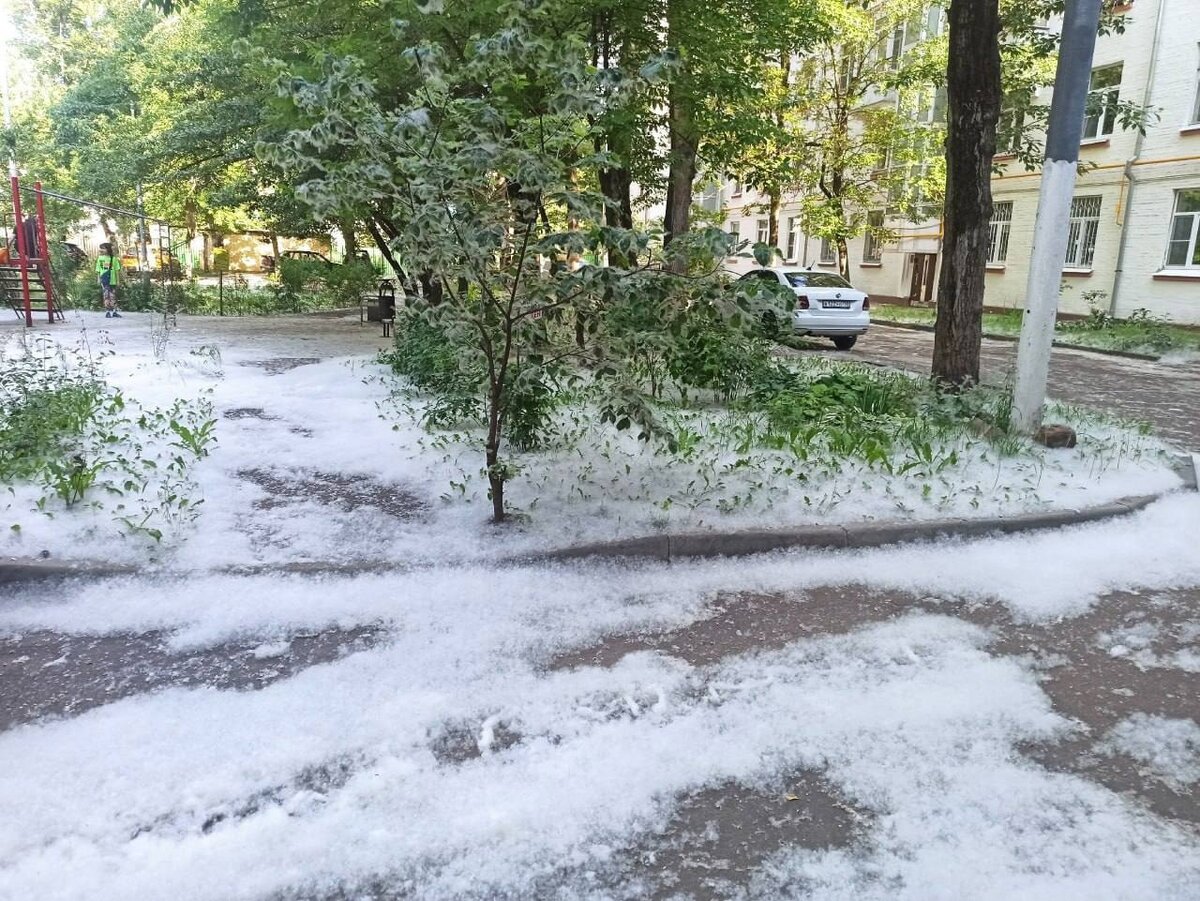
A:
845	342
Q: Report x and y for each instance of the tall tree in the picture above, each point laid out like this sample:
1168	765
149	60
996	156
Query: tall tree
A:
848	120
974	92
720	47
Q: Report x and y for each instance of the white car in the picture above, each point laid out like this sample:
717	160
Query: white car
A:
827	305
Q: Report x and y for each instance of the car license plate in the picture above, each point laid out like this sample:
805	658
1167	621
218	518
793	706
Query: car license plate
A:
835	304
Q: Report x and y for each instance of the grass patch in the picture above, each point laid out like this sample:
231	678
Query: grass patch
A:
1142	332
311	290
68	440
807	436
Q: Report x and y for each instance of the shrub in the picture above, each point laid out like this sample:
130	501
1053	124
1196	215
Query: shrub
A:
532	398
346	284
63	429
298	279
712	353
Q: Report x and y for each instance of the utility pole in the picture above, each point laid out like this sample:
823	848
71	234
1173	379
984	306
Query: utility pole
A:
143	234
1071	81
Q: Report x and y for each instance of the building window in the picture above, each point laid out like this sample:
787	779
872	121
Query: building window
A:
872	244
1104	92
912	28
938	116
734	233
998	236
1196	107
1081	238
935	21
793	238
1183	250
828	254
764	231
896	47
737	189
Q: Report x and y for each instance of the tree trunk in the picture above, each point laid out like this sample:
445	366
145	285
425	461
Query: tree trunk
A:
973	108
843	257
684	141
189	213
616	181
774	194
492	451
275	253
773	202
615	185
349	229
385	249
495	483
682	172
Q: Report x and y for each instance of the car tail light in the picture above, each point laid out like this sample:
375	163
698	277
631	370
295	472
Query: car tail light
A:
866	303
801	302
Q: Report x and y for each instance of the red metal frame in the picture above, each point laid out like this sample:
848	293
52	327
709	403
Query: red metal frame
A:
22	251
25	259
44	260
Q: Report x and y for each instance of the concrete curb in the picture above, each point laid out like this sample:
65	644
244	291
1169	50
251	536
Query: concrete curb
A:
862	535
651	547
18	570
1124	354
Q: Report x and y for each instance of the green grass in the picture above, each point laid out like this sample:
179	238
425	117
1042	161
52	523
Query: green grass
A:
1142	332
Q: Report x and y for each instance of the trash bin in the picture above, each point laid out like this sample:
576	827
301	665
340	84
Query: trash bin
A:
387	300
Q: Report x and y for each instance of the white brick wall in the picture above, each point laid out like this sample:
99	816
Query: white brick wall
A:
1169	160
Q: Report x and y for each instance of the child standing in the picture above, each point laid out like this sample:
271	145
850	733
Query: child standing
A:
108	272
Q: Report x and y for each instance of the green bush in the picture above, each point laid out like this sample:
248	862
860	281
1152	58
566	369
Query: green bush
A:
531	401
39	424
346	284
710	353
298	280
438	362
846	392
1141	330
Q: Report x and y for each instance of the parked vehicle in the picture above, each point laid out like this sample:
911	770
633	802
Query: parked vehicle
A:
165	261
307	256
827	306
74	253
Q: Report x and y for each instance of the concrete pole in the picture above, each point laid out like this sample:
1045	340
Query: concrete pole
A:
1071	81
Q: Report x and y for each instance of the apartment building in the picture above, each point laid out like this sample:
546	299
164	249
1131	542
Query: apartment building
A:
1135	219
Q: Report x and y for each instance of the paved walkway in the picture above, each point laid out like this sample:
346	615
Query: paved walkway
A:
720	835
1165	395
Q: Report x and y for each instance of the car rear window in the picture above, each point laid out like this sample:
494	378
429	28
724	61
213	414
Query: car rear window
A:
815	280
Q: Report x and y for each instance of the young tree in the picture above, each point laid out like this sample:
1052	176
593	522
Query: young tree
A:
479	164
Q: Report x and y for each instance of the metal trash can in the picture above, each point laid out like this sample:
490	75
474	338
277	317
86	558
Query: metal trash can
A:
387	299
385	304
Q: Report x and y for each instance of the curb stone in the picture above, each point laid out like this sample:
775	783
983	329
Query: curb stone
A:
993	336
684	545
18	570
865	535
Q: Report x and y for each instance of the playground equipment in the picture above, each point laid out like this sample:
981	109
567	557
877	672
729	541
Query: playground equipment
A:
27	284
27	281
